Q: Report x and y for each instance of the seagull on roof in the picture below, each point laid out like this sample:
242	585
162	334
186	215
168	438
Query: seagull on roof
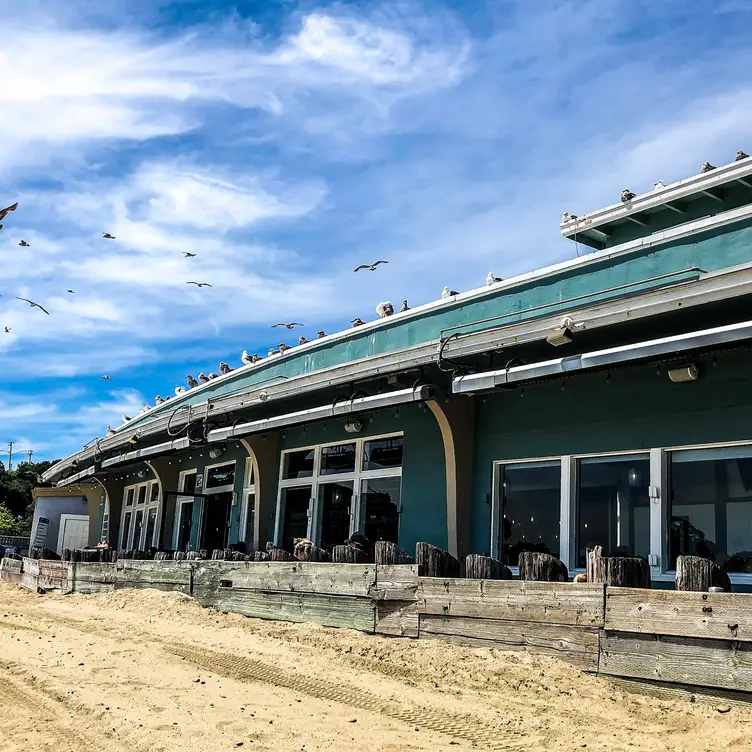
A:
33	304
627	195
370	267
567	217
191	381
106	377
288	326
384	309
490	279
658	185
271	352
739	156
8	209
158	400
212	376
188	254
203	378
107	236
706	167
405	306
357	321
224	368
125	418
283	348
248	359
321	334
179	390
447	293
302	341
108	431
199	284
145	408
24	244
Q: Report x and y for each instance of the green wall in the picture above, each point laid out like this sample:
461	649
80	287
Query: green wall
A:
638	408
423	473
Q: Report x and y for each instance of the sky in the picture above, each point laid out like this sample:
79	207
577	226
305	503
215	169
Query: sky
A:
286	142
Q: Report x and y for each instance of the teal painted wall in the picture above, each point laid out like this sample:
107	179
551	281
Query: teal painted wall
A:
637	409
710	250
423	473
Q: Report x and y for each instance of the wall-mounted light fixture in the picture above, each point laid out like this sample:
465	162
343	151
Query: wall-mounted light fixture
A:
216	452
684	373
354	426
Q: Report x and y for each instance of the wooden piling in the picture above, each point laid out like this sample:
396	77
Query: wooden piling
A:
479	567
309	552
279	554
698	574
617	571
435	562
387	553
539	567
345	554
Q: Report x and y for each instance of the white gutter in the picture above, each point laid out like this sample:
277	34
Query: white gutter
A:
138	454
613	356
338	409
72	479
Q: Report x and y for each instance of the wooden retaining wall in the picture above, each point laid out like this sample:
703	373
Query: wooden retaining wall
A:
675	643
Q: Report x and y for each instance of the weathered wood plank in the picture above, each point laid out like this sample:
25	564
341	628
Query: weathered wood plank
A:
328	610
550	602
724	616
397	618
287	577
578	645
101	577
395	582
681	691
15	565
679	660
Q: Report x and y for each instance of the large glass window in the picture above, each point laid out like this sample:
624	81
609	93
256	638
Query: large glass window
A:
222	475
129	495
613	506
530	509
381	508
141	494
298	464
125	531
383	453
710	506
296	503
151	524
188	486
335	501
338	458
138	527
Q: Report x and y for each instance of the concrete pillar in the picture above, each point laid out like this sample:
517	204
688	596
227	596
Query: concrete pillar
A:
113	486
166	470
265	453
456	419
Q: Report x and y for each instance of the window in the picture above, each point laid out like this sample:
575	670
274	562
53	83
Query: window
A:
151	528
220	476
188	483
710	506
125	531
141	494
342	487
530	495
140	530
138	526
613	506
154	493
247	531
129	496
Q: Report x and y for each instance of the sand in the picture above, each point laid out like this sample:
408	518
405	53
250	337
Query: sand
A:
145	670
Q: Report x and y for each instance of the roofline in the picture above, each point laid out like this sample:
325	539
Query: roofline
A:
672	192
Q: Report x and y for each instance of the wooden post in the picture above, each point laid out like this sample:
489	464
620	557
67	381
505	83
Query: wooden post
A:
617	571
345	554
279	554
308	552
539	567
435	562
385	553
698	574
479	567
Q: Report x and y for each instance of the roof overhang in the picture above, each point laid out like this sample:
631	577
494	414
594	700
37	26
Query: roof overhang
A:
338	409
76	477
611	357
152	451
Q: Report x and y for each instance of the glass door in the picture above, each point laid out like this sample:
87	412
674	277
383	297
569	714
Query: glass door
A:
335	505
296	503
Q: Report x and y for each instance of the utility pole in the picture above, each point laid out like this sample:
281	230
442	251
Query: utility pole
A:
30	452
10	455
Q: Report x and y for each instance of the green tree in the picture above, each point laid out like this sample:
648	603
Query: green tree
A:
16	501
7	521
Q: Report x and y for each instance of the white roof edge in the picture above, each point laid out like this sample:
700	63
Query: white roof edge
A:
672	192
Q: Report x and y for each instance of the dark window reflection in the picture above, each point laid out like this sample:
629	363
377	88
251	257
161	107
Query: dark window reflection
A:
339	458
531	504
382	453
613	506
711	509
295	525
151	522
299	464
189	484
224	475
124	532
336	503
381	505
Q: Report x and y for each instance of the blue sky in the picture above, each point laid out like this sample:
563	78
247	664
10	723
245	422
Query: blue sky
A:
285	142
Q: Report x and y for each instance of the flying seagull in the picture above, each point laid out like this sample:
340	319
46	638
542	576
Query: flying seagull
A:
283	348
8	209
33	304
706	167
106	377
302	341
370	267
384	309
108	236
357	321
199	284
188	254
7	330
321	334
658	185
739	155
224	368
627	195
72	292
203	378
288	326
24	244
405	306
490	279
447	293
191	381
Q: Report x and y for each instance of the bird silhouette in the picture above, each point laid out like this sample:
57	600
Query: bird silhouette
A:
7	330
302	341
739	156
179	390
33	304
271	352
188	254
199	284
357	321
658	185
490	279
627	195
405	306
567	217
8	209
384	309
203	378
224	368
106	377
126	418
158	400
191	381
447	293
248	359
108	236
72	292
283	347
212	376
288	326
321	334
706	167
24	244
370	267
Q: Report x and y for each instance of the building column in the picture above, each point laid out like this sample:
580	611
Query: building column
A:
264	450
166	470
456	419
113	486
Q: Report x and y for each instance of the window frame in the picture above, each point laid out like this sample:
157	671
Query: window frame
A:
313	482
182	499
250	472
135	507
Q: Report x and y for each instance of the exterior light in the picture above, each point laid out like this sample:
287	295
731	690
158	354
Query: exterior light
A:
560	336
634	477
684	374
